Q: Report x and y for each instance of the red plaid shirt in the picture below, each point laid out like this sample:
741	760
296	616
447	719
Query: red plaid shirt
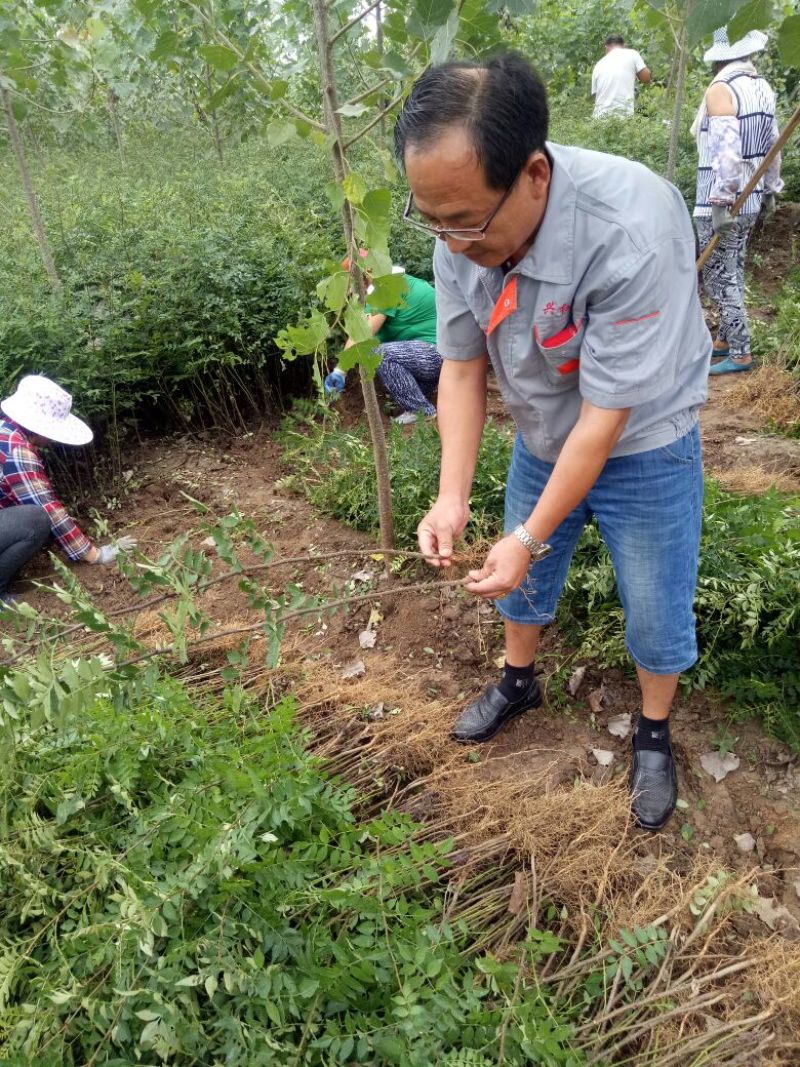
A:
24	481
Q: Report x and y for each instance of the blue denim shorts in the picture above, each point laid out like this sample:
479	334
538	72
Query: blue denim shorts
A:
649	510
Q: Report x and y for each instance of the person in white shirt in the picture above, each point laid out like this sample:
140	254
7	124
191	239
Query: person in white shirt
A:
614	78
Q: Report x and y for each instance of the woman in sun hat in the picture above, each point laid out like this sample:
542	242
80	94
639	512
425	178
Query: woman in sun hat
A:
410	363
30	512
735	127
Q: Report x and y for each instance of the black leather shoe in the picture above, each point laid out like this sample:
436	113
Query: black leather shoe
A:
481	719
654	787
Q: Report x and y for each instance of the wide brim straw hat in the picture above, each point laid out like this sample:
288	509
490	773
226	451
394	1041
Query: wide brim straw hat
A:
44	408
722	51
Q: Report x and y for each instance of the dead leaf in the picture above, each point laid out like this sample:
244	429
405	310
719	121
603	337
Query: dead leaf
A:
363	576
620	725
518	894
367	638
354	669
603	756
775	915
596	698
574	684
500	661
718	766
374	618
208	542
745	842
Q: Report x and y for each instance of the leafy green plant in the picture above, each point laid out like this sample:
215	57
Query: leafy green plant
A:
331	466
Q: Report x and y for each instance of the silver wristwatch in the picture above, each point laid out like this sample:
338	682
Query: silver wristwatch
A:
537	549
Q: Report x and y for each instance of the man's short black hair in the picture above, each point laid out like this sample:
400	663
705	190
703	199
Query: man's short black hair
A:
615	38
501	104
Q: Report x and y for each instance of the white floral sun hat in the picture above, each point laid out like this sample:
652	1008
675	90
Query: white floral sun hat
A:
44	408
722	51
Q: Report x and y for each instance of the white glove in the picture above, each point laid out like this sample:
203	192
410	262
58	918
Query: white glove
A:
108	553
722	221
769	204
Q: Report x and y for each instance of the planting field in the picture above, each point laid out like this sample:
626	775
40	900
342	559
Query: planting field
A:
538	819
234	826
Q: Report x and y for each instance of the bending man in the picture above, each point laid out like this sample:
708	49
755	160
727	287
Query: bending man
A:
574	273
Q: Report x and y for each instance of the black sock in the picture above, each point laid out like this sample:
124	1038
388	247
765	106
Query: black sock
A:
515	681
652	734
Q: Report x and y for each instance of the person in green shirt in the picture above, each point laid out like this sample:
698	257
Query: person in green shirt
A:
410	363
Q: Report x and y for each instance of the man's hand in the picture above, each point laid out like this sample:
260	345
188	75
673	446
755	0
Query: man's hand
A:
443	525
722	221
504	569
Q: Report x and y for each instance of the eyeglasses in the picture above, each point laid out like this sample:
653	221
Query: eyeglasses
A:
469	233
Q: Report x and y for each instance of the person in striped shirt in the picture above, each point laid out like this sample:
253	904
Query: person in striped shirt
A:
30	511
735	129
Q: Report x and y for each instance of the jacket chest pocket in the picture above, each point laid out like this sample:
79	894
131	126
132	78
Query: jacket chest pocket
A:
561	353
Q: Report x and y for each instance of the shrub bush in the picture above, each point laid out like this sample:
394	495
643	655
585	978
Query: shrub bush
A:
183	884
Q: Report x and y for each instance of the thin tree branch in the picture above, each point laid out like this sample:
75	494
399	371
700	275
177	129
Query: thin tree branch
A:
353	22
374	122
370	90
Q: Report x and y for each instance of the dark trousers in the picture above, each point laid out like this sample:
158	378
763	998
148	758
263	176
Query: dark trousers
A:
23	531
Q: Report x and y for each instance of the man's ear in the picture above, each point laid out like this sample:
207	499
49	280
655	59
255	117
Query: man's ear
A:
537	171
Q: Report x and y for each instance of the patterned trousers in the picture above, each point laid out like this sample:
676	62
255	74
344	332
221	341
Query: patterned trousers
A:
410	372
723	280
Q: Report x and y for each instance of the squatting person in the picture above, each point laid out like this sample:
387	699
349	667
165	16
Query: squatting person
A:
410	364
30	511
574	273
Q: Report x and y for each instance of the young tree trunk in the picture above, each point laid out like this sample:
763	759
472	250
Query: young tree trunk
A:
379	46
30	192
680	83
213	116
112	108
333	122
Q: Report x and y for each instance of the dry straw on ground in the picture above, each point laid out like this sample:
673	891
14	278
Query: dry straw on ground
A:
769	392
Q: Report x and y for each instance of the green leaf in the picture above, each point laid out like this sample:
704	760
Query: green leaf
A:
304	339
754	15
789	41
428	16
365	354
390	1047
352	111
219	57
166	45
355	188
332	290
708	15
356	325
388	292
444	38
